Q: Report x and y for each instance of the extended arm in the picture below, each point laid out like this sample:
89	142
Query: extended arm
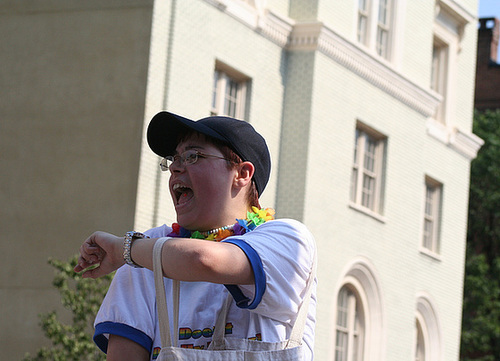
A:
182	258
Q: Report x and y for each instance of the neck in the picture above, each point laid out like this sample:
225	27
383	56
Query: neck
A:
253	219
216	230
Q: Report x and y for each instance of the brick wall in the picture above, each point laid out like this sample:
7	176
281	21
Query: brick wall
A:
487	94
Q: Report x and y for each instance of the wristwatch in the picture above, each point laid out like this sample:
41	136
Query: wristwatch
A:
130	237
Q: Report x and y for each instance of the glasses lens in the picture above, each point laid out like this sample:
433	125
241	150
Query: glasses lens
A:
190	157
165	164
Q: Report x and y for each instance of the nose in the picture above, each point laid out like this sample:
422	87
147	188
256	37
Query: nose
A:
176	166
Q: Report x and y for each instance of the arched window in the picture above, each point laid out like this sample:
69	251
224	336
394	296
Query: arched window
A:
359	317
428	346
420	342
350	326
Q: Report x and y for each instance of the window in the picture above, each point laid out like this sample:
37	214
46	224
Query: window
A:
449	26
420	345
428	344
229	92
374	25
350	327
432	210
438	75
367	170
359	316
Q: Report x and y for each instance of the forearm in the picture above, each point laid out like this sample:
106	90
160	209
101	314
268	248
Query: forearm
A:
183	259
196	260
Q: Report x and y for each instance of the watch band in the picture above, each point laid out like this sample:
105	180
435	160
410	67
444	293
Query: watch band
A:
130	237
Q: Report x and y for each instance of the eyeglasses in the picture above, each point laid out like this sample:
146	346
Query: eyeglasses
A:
186	158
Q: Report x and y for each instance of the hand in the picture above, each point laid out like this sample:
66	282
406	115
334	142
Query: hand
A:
102	249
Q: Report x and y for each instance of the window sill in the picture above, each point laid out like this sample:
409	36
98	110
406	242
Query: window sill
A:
427	252
368	212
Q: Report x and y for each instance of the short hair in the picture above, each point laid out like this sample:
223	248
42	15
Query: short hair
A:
232	160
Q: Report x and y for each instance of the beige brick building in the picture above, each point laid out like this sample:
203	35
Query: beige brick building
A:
367	109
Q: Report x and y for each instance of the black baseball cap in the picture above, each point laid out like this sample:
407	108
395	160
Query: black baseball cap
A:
164	129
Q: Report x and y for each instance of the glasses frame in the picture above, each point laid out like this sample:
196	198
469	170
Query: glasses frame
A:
187	157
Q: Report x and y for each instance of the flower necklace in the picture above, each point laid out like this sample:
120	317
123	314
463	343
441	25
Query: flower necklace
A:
254	218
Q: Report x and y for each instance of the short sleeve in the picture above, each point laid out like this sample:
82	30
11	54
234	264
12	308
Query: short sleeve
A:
285	251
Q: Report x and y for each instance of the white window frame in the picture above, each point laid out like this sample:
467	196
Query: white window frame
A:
369	26
432	215
229	92
369	199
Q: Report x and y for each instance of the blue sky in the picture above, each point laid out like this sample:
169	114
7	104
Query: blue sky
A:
489	8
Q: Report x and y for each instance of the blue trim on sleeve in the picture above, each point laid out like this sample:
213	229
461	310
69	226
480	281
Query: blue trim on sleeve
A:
259	275
123	330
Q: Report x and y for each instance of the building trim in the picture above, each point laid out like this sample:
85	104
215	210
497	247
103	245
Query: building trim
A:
315	36
465	143
270	25
468	144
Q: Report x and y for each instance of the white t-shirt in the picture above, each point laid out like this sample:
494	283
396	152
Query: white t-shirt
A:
281	253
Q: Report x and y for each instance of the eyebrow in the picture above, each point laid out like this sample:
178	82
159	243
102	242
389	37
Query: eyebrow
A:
189	147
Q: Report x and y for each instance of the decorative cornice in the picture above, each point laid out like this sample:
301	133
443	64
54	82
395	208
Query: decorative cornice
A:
275	28
467	144
315	36
461	15
268	24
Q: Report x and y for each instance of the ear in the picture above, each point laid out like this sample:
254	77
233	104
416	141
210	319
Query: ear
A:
244	174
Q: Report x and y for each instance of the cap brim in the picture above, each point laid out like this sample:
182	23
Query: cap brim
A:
164	129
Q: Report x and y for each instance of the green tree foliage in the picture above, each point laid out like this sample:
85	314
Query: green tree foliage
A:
481	308
82	297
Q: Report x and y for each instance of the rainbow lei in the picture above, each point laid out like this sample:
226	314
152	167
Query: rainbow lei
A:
254	218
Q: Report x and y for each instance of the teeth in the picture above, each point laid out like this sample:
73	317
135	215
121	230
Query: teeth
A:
177	186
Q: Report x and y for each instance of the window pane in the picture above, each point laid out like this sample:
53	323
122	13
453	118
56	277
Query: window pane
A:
368	191
428	226
428	201
438	75
342	308
362	25
382	36
369	162
435	68
341	346
382	12
362	21
349	339
231	98
431	216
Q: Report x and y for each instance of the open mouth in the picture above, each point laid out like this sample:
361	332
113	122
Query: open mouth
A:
181	193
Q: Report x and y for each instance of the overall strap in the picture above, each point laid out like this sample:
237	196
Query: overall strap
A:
300	322
161	300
